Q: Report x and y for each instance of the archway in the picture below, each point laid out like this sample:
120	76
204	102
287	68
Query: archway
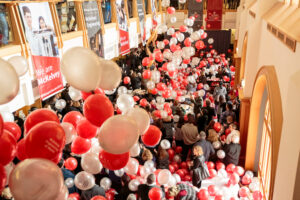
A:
243	59
265	99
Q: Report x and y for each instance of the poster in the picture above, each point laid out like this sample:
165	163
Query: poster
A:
93	26
141	14
42	40
154	14
123	27
196	9
214	14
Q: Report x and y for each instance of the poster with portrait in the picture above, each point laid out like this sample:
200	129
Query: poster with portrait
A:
154	14
40	35
196	9
123	27
141	14
93	26
214	14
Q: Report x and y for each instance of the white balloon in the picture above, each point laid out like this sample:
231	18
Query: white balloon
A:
159	106
69	182
161	45
254	186
210	40
90	163
201	93
135	150
163	114
176	118
216	144
172	182
125	102
150	85
249	173
180	37
206	87
171	31
122	90
173	19
145	171
132	166
160	100
20	64
119	172
84	180
222	173
60	104
105	183
149	163
133	185
164	176
111	74
165	144
177	178
141	117
221	154
74	94
181	1
7	117
173	41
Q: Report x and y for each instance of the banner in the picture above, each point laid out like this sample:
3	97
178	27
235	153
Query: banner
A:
141	14
214	14
123	27
154	14
196	9
42	40
93	25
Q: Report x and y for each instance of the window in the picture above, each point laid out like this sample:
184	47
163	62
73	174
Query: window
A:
129	4
6	35
67	16
106	10
264	167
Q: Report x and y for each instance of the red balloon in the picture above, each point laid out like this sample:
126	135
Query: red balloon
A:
243	192
183	28
257	195
171	10
71	163
185	171
219	197
152	136
181	173
230	168
203	194
212	190
85	95
3	178
199	44
199	1
98	108
171	153
126	80
155	194
157	113
13	128
239	170
234	178
81	145
38	116
173	47
172	168
246	180
200	86
57	158
147	74
166	42
98	198
220	165
86	130
73	118
217	127
187	178
45	140
159	57
1	125
210	165
113	161
21	151
176	166
74	196
183	165
161	86
212	173
227	131
232	68
188	42
166	93
136	98
146	61
143	102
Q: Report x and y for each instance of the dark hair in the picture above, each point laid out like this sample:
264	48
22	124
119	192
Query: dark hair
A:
26	10
229	105
125	179
162	153
41	18
180	122
191	118
208	102
151	179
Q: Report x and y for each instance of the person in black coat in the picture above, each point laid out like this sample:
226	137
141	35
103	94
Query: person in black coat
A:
209	110
200	170
125	191
94	191
207	147
232	151
143	189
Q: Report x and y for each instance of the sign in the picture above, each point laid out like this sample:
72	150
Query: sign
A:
123	27
196	9
42	40
93	25
141	14
214	14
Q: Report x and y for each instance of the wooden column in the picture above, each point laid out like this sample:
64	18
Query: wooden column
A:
81	23
237	64
244	123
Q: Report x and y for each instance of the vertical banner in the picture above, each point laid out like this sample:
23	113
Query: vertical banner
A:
93	25
42	40
196	9
123	27
154	14
141	14
214	14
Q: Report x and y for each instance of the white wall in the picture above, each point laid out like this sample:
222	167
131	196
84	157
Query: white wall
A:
265	49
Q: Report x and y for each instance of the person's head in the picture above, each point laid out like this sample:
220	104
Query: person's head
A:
233	126
191	118
197	150
42	23
151	179
229	119
162	153
202	135
235	139
131	197
208	102
221	83
125	179
27	16
173	191
180	122
229	105
147	155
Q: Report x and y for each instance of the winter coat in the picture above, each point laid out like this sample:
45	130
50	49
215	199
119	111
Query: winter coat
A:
200	170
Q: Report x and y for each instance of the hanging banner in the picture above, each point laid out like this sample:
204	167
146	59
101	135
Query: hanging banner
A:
42	40
195	9
141	14
154	14
93	25
214	14
123	27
